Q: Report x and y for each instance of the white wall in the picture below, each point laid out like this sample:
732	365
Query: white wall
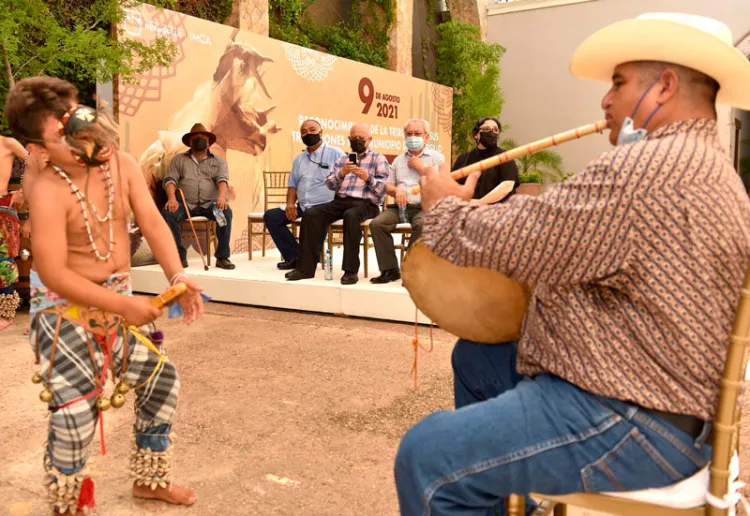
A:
542	98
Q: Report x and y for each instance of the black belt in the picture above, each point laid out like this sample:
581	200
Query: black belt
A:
691	425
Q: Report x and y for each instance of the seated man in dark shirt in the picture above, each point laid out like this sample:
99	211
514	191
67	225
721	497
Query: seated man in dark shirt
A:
486	133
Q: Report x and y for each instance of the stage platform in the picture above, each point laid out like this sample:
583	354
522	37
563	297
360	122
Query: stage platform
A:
258	282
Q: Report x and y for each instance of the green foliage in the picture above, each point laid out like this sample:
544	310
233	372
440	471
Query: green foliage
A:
363	38
529	177
343	41
544	166
745	166
212	10
471	68
71	39
286	20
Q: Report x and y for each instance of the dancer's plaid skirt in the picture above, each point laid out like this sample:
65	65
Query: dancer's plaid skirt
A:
73	375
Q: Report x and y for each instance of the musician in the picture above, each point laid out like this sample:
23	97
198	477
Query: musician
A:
486	133
637	261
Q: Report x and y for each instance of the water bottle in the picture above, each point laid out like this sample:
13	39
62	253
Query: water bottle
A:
329	265
402	218
221	220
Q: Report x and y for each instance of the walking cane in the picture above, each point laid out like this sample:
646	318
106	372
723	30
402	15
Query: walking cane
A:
190	220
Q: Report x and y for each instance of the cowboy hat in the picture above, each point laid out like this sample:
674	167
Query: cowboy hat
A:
198	129
696	42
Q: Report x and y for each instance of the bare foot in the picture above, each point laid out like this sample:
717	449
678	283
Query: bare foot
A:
170	494
4	323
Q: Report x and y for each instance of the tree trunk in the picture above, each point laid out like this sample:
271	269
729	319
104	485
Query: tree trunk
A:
8	71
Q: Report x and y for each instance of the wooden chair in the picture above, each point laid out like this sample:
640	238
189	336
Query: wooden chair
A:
274	196
725	441
205	230
337	228
296	225
403	229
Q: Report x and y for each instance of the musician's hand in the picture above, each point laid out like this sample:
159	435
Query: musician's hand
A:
171	205
438	184
191	301
221	202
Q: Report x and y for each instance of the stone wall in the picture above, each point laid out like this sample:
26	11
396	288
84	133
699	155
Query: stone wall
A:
250	15
406	53
400	46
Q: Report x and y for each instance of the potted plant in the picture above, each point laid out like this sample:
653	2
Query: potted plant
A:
530	183
541	167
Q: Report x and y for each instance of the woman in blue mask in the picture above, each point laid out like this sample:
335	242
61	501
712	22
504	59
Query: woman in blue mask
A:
486	133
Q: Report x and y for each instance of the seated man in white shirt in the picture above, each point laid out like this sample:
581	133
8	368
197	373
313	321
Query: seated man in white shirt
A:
307	188
405	172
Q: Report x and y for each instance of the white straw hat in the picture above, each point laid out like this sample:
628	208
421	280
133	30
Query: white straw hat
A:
696	42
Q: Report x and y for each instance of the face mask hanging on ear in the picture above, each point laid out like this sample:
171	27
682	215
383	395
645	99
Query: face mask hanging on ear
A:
628	132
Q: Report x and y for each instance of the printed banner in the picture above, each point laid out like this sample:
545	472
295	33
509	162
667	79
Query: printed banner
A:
253	93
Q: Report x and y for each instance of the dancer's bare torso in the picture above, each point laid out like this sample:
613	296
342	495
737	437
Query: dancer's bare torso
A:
81	257
9	150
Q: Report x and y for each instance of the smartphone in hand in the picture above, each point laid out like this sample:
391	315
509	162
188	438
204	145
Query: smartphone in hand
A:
353	158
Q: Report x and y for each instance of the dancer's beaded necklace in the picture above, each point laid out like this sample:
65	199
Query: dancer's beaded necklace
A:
85	204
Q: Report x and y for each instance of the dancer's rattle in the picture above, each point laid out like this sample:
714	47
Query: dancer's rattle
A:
169	295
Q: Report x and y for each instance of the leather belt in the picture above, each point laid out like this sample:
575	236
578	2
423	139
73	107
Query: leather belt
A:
691	425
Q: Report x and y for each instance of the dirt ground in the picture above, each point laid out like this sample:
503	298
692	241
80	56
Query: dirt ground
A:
280	413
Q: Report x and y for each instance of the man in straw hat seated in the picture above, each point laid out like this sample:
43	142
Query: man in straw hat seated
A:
637	263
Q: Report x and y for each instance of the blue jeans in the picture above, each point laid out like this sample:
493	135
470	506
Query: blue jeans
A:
518	435
222	233
278	227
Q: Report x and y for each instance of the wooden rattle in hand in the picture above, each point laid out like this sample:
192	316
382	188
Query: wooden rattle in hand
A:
169	295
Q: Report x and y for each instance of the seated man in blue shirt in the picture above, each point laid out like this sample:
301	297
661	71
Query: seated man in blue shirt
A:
307	188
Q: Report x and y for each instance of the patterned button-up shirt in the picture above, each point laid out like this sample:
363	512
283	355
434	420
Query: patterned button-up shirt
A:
199	180
373	189
638	262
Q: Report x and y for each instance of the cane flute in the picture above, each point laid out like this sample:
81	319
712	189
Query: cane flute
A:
525	150
190	220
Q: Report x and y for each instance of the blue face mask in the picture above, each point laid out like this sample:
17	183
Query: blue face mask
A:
628	132
414	143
